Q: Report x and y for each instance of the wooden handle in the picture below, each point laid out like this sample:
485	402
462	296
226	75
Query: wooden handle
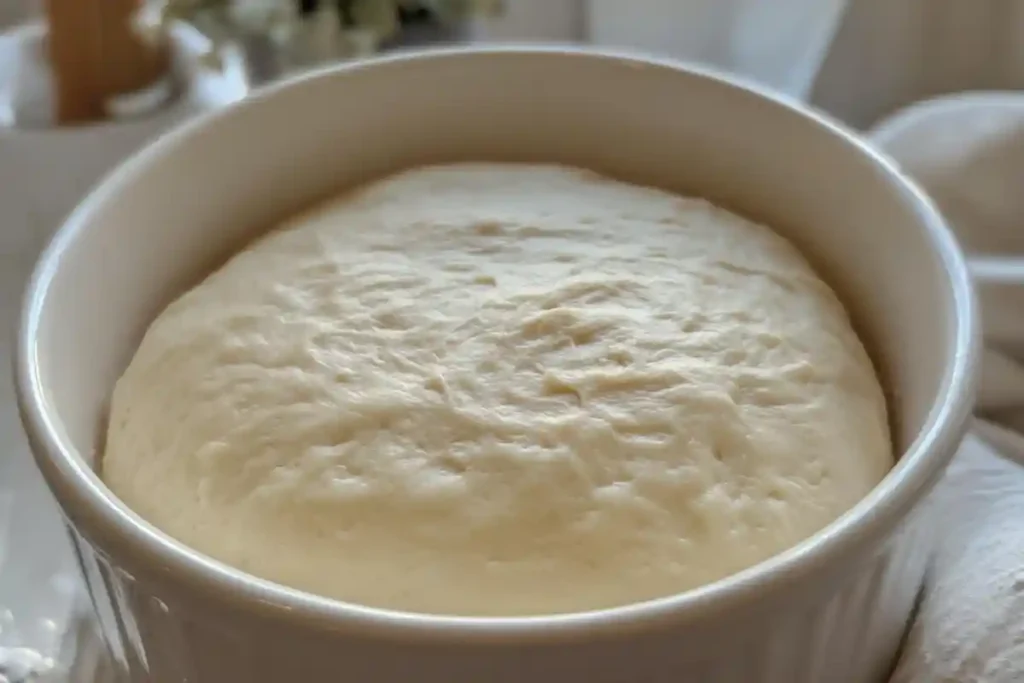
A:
95	55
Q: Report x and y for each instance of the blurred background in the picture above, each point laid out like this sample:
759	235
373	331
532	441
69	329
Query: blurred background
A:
860	58
84	83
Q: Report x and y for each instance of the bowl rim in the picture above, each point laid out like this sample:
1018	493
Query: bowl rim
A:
97	514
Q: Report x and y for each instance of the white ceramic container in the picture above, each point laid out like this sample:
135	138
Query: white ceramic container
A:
833	608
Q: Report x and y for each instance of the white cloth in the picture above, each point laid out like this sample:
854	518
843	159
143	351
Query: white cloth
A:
968	153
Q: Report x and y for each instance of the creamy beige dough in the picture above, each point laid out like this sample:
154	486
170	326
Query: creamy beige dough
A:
491	390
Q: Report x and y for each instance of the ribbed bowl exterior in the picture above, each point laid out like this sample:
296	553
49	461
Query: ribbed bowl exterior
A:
850	637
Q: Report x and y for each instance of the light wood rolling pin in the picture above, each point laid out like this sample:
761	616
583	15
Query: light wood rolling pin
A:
95	55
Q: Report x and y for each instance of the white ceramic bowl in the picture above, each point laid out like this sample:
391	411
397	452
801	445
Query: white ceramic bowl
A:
832	609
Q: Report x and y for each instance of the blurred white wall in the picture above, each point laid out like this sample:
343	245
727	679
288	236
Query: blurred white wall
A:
884	54
780	43
542	20
889	53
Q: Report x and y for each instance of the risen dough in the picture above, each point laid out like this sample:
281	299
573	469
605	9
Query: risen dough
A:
500	390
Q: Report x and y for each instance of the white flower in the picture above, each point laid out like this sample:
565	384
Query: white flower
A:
149	21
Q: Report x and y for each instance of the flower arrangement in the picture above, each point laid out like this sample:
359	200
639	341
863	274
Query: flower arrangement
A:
304	32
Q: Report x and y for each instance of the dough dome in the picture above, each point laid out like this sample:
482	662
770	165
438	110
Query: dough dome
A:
500	390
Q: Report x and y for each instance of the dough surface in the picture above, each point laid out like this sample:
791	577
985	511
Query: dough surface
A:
500	390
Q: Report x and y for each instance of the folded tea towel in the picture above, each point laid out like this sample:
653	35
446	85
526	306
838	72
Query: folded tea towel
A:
968	153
